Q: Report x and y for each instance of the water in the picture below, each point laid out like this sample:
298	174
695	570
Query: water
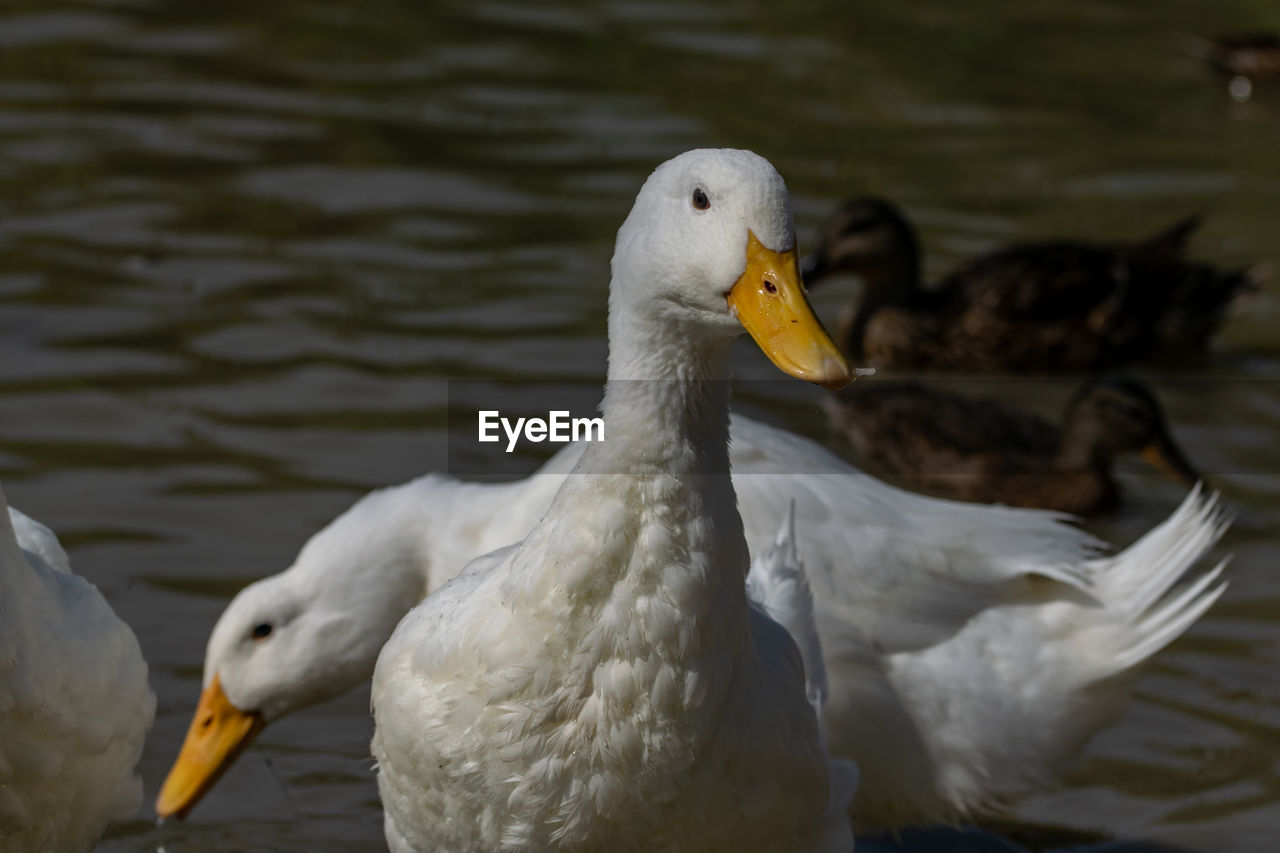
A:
245	246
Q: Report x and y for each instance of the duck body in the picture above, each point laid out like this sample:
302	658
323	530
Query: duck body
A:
1044	306
75	704
604	682
969	649
625	709
1049	306
991	451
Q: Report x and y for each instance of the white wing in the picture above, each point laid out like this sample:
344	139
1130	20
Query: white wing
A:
909	570
777	584
38	541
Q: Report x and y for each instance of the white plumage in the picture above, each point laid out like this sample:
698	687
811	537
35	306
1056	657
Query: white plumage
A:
970	649
604	683
74	700
777	584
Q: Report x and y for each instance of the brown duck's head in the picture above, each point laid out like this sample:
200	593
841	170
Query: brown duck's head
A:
1108	417
870	238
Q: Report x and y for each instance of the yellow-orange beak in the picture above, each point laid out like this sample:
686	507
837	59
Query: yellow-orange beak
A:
1163	455
769	300
219	732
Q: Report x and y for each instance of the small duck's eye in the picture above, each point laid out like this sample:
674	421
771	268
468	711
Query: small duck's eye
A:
700	200
261	632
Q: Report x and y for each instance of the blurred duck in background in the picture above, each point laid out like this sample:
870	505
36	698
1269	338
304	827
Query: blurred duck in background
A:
75	704
1042	306
1244	59
989	451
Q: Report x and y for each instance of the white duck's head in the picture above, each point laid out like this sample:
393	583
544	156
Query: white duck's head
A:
709	250
303	636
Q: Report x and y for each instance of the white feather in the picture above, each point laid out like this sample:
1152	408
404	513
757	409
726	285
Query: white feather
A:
74	700
777	584
969	649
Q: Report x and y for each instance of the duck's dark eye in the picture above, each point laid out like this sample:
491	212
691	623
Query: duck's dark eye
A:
700	200
262	631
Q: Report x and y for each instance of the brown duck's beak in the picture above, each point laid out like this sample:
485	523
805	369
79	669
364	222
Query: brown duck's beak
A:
1166	457
769	300
219	733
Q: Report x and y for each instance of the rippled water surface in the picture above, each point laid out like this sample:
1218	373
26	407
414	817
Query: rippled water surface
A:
246	244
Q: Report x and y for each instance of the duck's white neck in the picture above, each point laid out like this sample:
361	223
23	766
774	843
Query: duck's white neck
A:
648	520
666	403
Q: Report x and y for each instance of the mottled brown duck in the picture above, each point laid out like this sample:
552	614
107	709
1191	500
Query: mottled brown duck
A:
990	451
1244	59
1031	307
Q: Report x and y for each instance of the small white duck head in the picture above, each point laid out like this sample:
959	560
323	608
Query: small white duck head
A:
300	637
708	248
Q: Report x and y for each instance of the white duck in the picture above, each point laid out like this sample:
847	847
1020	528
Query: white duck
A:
75	705
604	682
970	649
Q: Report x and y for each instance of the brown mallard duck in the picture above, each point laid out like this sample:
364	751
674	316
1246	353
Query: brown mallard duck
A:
1244	59
1042	306
986	450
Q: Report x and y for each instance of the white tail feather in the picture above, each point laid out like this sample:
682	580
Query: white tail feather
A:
1137	577
1138	583
1171	620
777	583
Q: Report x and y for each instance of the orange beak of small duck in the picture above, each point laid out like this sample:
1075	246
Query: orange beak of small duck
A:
1167	458
219	733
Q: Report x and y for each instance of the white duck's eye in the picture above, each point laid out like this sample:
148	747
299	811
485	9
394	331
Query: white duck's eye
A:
700	200
261	632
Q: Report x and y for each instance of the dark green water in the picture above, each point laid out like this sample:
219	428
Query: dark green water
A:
245	244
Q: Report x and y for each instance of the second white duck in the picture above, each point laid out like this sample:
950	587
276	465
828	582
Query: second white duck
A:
75	704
